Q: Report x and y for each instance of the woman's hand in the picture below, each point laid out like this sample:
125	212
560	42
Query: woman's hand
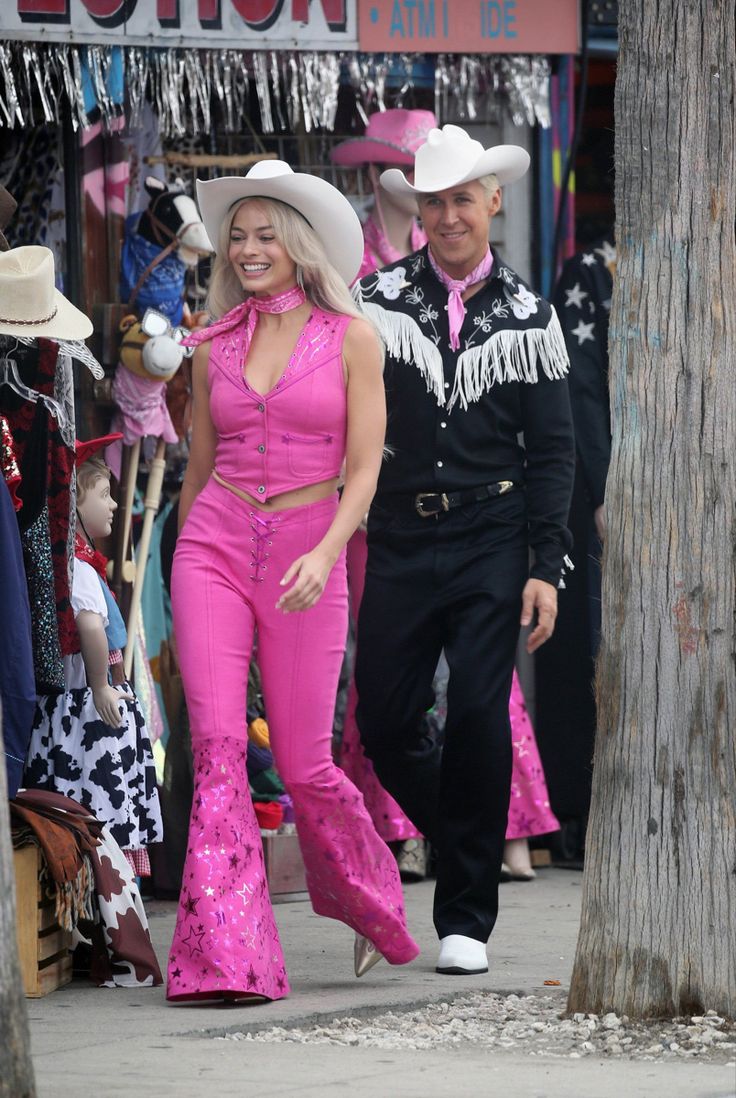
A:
107	703
311	573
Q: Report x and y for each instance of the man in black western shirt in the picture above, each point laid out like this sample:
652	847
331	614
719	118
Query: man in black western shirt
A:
474	357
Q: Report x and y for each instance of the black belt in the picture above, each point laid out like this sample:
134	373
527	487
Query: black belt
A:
431	504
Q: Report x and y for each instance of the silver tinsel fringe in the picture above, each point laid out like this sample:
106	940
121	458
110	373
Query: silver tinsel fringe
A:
294	89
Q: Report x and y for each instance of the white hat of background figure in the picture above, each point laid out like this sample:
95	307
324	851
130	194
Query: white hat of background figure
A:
449	157
30	304
322	205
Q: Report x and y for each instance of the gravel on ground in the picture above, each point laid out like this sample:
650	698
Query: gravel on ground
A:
535	1022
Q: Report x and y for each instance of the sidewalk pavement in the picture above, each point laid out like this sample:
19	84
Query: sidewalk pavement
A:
100	1043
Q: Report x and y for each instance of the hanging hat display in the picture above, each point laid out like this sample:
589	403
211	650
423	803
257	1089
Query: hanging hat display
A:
30	304
8	206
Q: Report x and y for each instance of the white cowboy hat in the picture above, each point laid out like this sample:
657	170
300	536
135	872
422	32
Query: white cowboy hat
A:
449	157
30	304
327	211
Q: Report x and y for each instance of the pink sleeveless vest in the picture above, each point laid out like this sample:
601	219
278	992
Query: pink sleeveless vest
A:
293	436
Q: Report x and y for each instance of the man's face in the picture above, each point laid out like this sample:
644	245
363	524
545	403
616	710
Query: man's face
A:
456	222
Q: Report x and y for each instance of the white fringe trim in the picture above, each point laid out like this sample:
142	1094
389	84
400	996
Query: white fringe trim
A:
510	356
405	340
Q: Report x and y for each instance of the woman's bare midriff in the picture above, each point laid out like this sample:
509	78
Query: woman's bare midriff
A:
299	497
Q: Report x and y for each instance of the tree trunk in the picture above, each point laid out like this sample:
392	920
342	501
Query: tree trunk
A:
16	1070
658	930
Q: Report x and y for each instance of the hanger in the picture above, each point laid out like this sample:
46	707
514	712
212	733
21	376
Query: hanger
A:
9	376
75	348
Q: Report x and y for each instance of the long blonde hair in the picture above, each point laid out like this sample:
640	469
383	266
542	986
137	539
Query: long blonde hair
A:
322	284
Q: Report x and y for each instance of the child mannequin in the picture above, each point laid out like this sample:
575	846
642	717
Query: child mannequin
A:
91	743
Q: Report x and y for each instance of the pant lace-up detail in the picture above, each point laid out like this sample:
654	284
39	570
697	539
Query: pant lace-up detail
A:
263	529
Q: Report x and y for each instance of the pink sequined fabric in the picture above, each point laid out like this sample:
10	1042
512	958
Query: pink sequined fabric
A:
529	809
226	937
351	873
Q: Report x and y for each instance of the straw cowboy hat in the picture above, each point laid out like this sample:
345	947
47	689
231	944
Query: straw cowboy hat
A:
449	157
30	304
8	206
328	212
391	137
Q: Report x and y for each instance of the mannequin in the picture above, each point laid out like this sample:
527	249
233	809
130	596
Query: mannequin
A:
90	743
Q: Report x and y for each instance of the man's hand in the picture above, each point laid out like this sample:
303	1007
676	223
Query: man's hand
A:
540	596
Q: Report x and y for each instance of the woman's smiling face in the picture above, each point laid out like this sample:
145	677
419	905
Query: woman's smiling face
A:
260	261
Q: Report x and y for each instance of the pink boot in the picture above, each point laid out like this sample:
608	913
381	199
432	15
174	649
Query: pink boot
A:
226	939
351	873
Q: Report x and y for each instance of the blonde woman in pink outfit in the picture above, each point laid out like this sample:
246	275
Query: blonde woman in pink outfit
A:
287	388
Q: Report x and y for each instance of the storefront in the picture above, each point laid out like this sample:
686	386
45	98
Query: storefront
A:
97	94
99	85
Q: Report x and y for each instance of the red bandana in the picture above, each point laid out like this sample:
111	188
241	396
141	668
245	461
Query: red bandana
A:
84	551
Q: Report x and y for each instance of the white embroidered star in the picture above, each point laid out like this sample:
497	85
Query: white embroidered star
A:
575	296
588	259
607	252
583	332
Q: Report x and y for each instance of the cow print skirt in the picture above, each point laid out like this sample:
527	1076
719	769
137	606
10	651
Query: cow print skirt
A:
110	771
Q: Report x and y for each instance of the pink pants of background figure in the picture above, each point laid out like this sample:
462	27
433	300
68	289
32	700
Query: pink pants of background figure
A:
229	559
391	823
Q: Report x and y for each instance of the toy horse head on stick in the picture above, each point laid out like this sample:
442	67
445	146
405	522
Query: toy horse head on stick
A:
160	243
173	215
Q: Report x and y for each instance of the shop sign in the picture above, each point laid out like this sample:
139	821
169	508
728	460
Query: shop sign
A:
469	26
248	24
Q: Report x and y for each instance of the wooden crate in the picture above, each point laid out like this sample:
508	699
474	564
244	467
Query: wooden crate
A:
284	864
44	948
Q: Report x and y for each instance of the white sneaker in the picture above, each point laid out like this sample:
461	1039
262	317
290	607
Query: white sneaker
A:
461	956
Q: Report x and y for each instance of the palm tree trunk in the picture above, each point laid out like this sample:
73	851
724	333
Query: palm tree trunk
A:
658	930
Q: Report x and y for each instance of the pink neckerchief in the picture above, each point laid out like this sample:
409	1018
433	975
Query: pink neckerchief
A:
382	248
280	303
456	287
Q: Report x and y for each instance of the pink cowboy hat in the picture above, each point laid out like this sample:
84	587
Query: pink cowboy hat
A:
391	137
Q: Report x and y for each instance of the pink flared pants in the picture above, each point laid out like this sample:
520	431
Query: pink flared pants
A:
225	585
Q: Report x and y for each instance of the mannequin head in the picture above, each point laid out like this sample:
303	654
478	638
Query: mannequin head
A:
404	205
95	505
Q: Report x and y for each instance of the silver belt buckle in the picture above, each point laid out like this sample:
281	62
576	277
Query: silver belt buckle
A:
419	503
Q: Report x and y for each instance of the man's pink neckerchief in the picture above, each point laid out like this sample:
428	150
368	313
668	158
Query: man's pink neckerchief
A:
279	303
456	287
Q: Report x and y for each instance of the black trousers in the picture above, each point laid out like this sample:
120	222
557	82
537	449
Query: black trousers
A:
451	582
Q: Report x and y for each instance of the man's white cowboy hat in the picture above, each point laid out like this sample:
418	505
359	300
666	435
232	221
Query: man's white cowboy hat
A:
449	157
327	211
30	304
